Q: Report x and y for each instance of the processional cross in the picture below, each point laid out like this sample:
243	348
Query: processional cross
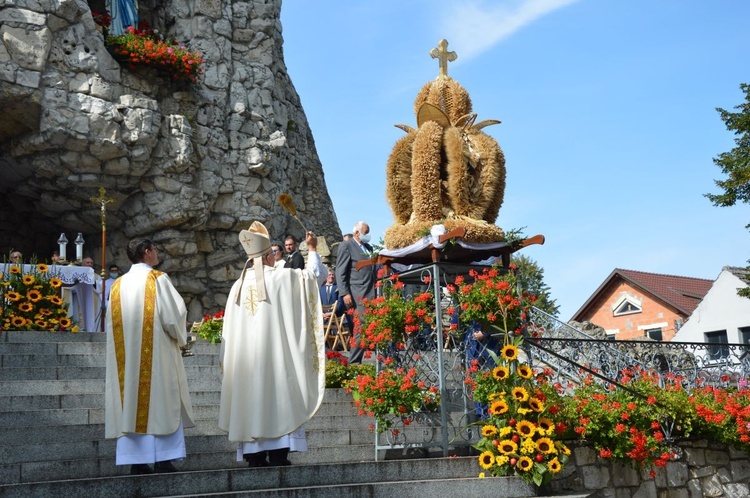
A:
444	57
102	200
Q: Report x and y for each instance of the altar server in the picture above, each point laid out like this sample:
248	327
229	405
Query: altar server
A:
147	398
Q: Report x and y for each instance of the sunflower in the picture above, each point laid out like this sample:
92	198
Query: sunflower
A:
554	466
489	430
34	295
42	268
13	296
546	424
25	307
55	282
562	448
40	323
28	279
498	407
525	428
545	445
520	393
56	300
524	371
509	352
486	460
18	321
507	447
15	270
65	322
500	373
536	405
524	464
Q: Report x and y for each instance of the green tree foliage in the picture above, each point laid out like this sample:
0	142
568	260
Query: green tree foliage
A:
735	163
531	278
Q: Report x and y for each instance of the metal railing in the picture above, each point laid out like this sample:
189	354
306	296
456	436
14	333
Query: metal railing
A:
441	357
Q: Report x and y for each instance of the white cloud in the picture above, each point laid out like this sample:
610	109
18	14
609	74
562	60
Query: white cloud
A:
474	26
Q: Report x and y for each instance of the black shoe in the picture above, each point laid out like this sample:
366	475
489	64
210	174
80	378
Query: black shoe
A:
140	469
278	458
256	459
164	467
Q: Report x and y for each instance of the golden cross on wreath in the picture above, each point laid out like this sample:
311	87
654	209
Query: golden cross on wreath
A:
444	57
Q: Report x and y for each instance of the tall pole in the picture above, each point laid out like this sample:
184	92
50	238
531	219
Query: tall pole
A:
103	200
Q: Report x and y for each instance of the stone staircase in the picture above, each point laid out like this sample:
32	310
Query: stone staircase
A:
52	426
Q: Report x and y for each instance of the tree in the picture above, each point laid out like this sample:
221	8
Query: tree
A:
531	278
735	163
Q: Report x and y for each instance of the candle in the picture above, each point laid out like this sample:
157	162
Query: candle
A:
63	241
79	247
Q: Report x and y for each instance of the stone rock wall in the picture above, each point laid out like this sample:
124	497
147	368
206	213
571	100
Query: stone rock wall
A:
186	166
701	469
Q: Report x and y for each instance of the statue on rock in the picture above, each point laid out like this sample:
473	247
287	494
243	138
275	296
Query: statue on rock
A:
446	171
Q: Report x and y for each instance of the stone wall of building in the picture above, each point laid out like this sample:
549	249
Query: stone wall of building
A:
188	166
702	469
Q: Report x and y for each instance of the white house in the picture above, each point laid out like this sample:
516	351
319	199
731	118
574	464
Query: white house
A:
722	316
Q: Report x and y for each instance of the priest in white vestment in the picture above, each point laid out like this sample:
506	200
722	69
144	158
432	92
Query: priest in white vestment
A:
147	398
272	353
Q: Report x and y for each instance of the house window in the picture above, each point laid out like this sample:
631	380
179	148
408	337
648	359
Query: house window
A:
654	334
626	308
745	335
745	338
713	338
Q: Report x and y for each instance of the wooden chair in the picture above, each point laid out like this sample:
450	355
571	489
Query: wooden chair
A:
330	324
342	333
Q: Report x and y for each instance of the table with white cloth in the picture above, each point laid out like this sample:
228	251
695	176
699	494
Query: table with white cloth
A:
79	281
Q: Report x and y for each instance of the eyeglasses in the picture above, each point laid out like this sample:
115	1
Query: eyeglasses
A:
275	251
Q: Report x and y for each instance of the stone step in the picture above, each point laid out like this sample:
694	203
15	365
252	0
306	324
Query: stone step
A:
13	435
223	456
42	337
232	478
200	398
93	372
86	360
507	487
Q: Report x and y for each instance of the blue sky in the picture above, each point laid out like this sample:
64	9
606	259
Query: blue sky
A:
608	119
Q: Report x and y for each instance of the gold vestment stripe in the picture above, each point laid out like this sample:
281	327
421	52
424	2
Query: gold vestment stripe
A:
147	354
117	334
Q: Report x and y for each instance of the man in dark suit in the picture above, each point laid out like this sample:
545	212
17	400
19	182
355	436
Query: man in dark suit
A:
353	284
294	259
329	294
329	291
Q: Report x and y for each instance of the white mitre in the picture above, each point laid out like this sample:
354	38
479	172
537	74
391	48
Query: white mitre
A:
257	244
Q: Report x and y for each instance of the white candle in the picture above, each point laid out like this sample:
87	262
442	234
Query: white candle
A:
79	247
63	241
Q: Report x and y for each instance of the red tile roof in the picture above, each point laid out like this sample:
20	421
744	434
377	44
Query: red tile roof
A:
681	293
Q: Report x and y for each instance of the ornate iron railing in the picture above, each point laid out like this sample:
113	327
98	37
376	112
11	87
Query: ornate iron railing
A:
441	356
575	355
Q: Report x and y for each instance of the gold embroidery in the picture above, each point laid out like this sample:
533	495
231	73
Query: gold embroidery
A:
118	335
250	300
313	302
147	353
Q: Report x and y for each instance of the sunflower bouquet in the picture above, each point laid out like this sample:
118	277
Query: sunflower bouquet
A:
31	300
519	432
